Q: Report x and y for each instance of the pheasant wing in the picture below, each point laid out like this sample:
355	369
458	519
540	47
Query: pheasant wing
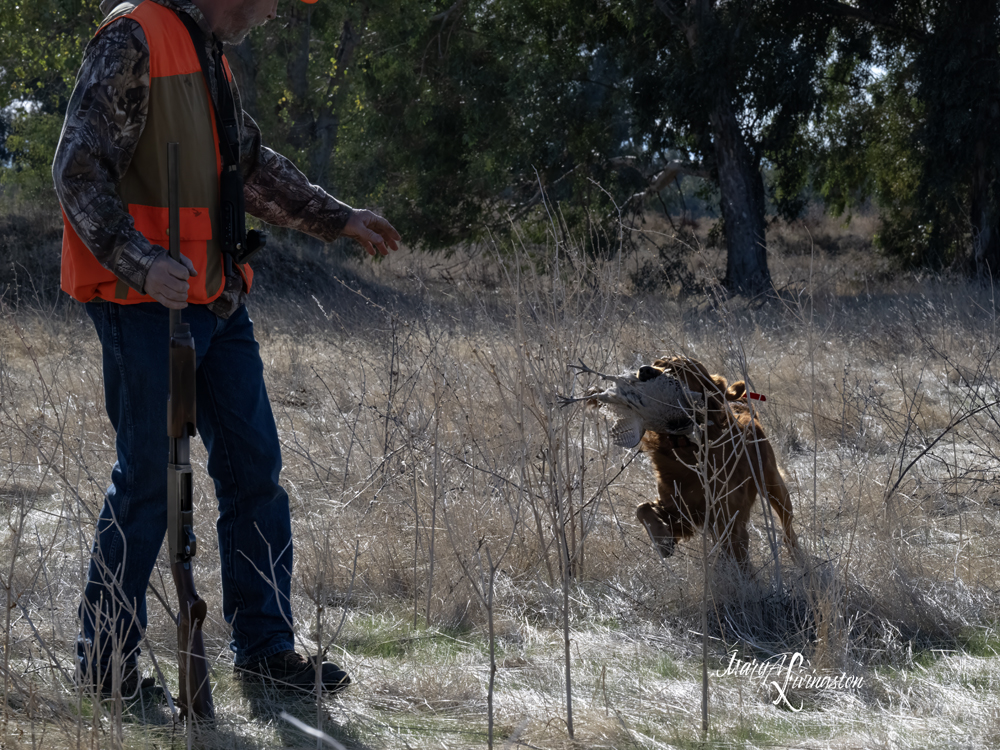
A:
627	431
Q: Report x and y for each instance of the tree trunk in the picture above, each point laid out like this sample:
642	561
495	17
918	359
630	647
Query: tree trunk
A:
985	216
315	123
324	141
297	69
742	200
328	119
740	183
984	197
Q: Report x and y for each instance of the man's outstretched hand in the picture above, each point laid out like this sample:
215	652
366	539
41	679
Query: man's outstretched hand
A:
372	231
166	281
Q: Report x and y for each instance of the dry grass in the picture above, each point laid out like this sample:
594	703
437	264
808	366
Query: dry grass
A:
439	493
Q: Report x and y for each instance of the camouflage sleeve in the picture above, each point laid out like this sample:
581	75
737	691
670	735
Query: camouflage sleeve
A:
104	119
277	192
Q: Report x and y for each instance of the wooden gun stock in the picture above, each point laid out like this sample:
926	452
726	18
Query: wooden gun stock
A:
194	693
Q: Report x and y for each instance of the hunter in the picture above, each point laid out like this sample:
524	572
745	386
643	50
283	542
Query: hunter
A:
144	83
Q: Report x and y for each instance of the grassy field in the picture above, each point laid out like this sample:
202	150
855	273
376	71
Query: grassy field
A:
450	515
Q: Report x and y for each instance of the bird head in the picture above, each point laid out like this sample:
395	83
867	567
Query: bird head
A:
708	389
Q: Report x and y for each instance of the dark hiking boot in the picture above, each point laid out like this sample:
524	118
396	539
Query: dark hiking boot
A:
100	679
288	670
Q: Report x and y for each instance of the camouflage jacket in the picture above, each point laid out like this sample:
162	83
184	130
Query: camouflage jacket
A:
104	119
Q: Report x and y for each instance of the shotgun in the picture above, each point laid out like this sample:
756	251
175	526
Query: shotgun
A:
194	692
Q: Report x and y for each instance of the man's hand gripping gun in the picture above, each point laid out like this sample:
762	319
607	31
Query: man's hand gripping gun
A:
194	689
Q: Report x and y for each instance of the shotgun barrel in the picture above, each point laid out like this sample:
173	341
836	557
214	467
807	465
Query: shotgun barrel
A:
194	689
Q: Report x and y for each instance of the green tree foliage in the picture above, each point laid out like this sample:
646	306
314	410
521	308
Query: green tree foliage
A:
297	79
41	44
916	129
477	112
732	85
458	116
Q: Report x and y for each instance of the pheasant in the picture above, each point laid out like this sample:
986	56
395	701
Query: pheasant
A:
648	400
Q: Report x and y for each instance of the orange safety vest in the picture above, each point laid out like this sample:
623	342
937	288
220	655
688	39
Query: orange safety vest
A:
180	110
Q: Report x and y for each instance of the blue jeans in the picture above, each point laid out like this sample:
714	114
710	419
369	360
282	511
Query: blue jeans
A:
235	422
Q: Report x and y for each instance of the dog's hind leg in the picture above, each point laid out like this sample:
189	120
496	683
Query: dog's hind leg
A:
738	545
781	502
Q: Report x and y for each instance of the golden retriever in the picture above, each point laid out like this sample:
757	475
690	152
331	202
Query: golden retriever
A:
734	464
